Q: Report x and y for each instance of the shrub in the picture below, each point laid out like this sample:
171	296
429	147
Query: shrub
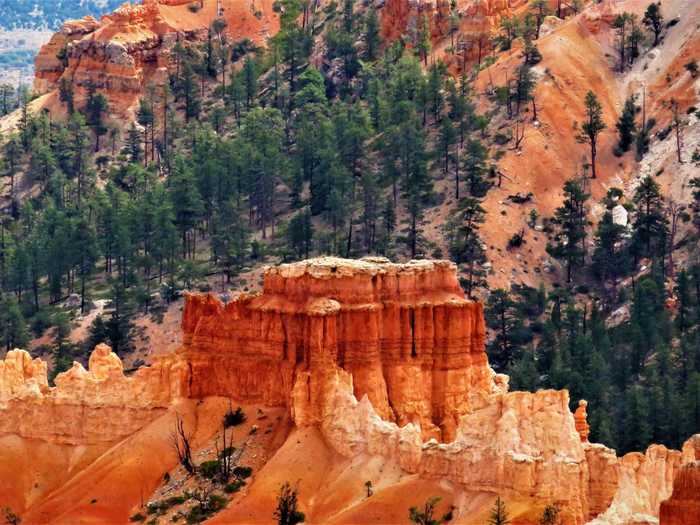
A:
692	68
516	241
138	517
234	418
234	486
242	472
193	7
175	500
209	469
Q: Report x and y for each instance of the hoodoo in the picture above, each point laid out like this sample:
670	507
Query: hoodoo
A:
411	341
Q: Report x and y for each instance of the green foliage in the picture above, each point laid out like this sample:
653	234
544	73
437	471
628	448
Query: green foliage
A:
626	126
591	127
499	514
654	20
286	512
465	245
242	472
551	515
570	219
234	486
234	418
425	516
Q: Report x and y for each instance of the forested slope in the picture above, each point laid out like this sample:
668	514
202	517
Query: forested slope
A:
331	139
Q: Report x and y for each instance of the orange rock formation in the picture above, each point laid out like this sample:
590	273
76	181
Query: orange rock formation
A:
370	358
477	21
683	507
581	420
86	406
131	47
412	342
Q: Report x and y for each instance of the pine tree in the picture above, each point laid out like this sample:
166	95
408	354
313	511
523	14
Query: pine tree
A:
287	512
570	218
372	35
187	203
300	234
650	224
133	143
425	516
654	20
503	317
475	168
230	238
592	127
626	126
499	514
465	246
609	261
13	329
636	432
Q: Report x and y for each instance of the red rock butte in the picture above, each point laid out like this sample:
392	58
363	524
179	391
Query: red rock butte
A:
413	344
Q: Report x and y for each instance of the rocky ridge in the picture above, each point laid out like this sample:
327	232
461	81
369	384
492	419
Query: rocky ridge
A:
386	361
85	407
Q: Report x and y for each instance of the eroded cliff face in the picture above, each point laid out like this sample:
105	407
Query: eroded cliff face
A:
473	24
132	47
411	341
381	360
86	407
683	507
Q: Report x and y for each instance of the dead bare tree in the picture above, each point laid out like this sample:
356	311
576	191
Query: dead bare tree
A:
225	455
677	123
518	134
676	212
181	443
534	109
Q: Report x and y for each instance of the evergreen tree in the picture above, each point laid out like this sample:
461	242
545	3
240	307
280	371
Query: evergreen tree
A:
570	218
287	512
475	168
187	204
499	514
654	20
626	126
592	127
609	259
300	234
466	248
372	35
425	516
13	329
636	430
650	223
503	317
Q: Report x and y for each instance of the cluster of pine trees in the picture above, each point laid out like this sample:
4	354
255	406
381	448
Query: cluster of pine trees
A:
639	368
246	154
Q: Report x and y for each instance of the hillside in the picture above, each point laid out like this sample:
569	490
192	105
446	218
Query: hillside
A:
549	150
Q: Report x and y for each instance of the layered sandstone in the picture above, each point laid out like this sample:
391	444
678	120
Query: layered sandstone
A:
382	361
85	407
413	344
132	47
683	507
